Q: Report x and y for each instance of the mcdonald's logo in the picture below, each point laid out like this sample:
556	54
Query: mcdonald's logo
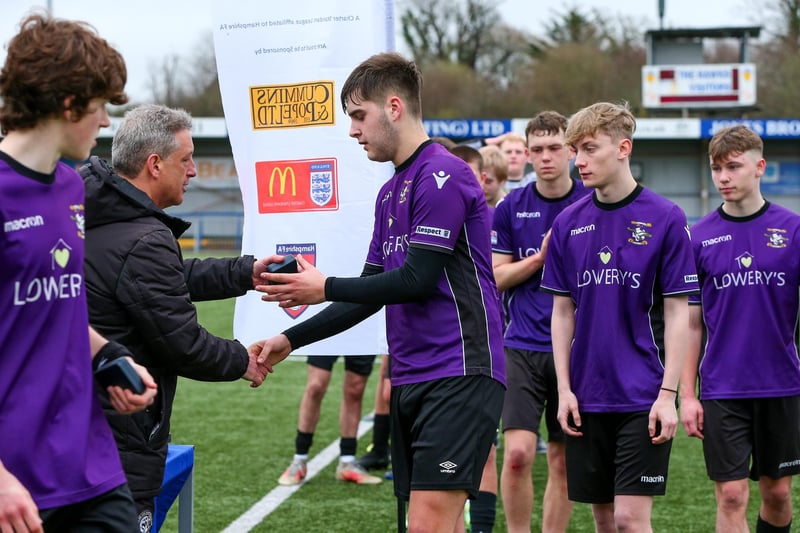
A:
282	174
294	185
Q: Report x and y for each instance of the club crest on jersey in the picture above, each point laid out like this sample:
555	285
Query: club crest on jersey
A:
79	218
309	253
777	238
639	233
404	191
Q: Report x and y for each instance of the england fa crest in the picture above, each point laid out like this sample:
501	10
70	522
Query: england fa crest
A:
321	183
309	253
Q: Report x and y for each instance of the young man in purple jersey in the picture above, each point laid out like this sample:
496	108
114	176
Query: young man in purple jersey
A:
429	262
59	467
519	243
620	267
748	261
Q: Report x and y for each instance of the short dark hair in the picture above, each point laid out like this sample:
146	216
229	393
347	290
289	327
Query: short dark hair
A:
389	72
51	60
547	122
468	154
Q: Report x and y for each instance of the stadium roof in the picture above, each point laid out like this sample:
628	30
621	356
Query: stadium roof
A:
716	33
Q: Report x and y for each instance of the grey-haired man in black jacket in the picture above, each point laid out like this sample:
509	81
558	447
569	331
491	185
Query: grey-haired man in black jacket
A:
140	289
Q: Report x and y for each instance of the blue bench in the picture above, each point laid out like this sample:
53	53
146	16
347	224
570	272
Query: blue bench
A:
178	483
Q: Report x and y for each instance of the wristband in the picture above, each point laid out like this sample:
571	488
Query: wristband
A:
670	390
110	351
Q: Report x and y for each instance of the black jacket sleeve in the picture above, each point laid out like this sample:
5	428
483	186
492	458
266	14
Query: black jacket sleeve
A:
218	278
412	282
151	287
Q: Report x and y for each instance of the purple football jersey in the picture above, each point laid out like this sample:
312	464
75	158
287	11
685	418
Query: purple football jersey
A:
434	201
617	262
749	270
520	223
55	438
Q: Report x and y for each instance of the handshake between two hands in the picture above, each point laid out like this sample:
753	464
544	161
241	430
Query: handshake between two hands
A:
264	355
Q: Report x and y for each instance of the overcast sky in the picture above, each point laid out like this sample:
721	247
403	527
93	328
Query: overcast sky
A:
146	30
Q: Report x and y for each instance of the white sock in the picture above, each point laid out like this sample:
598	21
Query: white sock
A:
347	458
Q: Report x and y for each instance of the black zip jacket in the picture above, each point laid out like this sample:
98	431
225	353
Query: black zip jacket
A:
140	292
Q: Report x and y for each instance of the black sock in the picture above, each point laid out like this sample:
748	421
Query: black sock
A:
764	527
380	435
347	446
482	512
302	442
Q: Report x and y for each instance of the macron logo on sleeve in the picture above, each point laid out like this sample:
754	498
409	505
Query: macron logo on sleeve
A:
440	178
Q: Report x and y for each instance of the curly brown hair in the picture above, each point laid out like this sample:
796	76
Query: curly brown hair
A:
55	65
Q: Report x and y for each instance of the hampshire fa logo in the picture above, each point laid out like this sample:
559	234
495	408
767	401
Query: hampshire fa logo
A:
309	253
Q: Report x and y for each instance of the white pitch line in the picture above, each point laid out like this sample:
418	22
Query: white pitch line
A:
261	509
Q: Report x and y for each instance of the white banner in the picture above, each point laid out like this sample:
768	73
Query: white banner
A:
307	187
707	85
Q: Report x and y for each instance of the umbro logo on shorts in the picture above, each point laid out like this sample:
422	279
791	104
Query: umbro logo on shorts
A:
448	467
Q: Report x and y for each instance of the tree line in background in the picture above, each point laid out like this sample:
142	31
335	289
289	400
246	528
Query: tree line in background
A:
477	65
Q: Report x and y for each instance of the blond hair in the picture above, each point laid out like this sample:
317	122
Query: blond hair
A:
494	160
512	137
615	120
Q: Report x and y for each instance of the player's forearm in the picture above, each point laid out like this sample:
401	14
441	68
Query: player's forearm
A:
510	275
562	331
676	317
412	282
688	382
334	319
